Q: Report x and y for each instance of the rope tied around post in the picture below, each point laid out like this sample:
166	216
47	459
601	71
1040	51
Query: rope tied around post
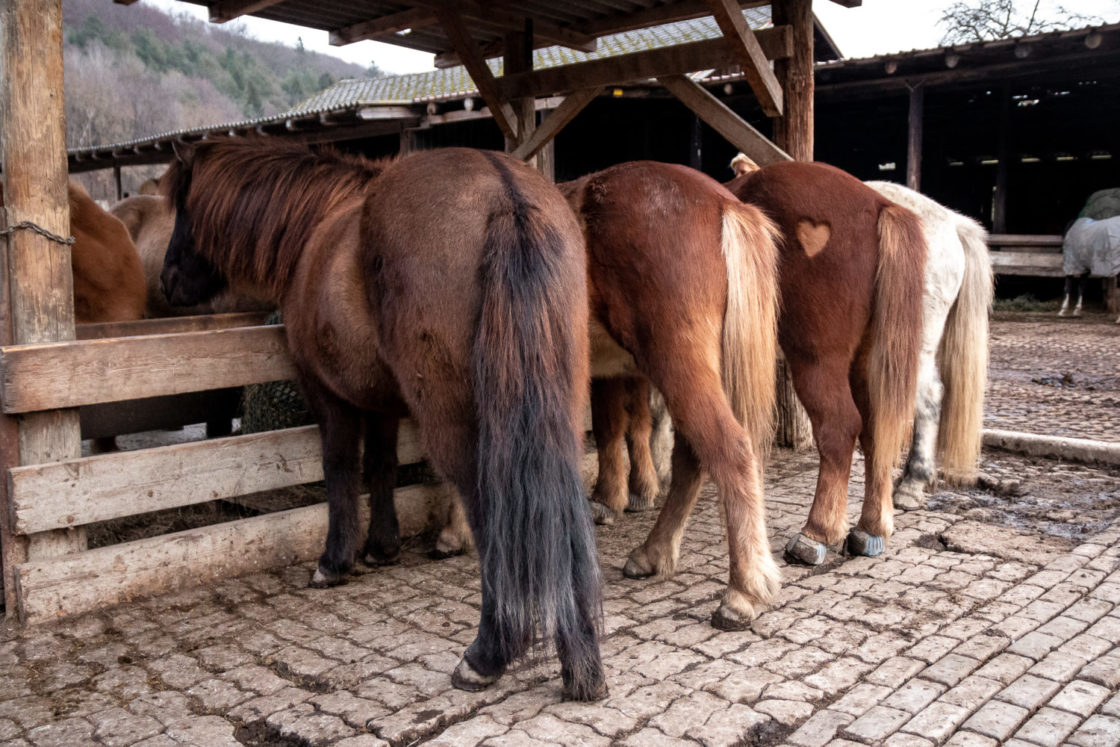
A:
35	227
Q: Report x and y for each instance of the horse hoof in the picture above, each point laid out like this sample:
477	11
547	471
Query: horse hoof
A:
864	544
377	559
638	504
602	515
728	620
805	551
589	693
909	496
324	579
466	678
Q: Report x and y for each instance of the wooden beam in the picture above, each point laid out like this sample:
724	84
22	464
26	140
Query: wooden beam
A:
655	16
171	325
556	121
385	26
752	60
465	45
724	121
56	375
638	66
226	10
914	138
849	3
110	486
494	17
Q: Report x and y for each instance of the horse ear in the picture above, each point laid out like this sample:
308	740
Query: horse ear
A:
184	152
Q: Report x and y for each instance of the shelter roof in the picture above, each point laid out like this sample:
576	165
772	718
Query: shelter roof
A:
347	102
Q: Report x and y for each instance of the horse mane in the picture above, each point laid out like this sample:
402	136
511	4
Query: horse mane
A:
254	202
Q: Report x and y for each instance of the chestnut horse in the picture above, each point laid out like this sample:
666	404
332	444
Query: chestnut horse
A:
449	284
108	278
852	277
149	221
953	367
683	292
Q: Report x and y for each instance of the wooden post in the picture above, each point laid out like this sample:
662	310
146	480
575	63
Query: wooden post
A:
1003	150
793	131
407	142
519	59
40	283
794	134
117	181
914	137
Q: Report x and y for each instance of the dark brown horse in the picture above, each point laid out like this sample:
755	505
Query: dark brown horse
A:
683	292
852	280
450	285
108	278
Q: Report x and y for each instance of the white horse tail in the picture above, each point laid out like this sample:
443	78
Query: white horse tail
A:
963	360
750	324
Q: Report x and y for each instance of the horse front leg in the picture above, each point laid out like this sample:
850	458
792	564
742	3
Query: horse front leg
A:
383	543
339	431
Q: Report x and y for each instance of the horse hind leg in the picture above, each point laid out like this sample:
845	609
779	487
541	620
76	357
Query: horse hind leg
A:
644	484
608	423
824	391
707	432
383	543
876	521
455	537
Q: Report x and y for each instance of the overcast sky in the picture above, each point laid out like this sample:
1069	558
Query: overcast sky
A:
877	27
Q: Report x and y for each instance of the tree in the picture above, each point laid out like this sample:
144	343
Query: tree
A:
981	20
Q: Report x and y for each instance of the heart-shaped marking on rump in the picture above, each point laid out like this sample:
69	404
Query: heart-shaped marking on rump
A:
813	236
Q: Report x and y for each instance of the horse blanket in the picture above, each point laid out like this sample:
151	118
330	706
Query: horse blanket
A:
1092	246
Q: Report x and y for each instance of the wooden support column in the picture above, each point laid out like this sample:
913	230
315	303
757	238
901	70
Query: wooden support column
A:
518	58
408	142
40	284
914	137
793	133
1003	150
117	181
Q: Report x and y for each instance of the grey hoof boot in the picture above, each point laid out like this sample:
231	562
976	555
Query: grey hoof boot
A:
864	544
805	551
466	678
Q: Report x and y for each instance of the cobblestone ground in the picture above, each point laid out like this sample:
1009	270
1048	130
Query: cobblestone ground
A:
980	625
1058	376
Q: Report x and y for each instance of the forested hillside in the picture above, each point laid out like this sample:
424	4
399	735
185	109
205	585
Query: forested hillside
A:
135	71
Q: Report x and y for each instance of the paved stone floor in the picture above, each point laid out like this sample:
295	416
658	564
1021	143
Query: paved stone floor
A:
980	625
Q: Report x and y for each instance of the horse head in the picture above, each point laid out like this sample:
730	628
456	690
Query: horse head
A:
188	277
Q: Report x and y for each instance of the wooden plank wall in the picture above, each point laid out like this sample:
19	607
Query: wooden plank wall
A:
182	355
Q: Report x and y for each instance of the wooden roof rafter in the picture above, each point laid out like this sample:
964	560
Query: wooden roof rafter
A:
222	11
752	60
427	14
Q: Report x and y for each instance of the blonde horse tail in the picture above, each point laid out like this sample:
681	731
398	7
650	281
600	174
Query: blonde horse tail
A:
896	332
963	360
750	322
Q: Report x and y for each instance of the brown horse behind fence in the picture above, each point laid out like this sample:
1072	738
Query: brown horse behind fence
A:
450	284
108	278
852	279
149	221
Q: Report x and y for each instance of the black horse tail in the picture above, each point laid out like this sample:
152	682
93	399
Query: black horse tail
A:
536	542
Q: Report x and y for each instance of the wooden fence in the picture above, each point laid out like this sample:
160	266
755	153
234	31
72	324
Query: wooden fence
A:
58	498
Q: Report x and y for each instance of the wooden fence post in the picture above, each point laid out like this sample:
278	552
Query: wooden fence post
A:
40	284
794	134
